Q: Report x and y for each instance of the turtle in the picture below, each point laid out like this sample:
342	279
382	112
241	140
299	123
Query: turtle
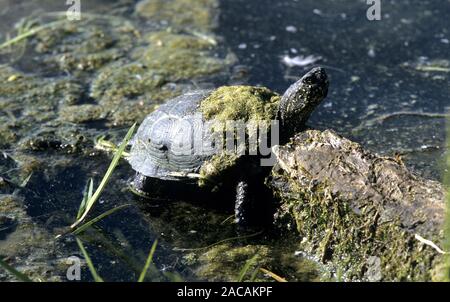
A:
161	156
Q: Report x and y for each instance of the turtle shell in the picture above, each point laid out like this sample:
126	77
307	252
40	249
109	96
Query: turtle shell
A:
167	140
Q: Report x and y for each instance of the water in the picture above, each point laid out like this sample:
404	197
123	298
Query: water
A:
370	65
375	68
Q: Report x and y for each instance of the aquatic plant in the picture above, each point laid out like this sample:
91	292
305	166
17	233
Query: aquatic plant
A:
94	272
90	198
14	271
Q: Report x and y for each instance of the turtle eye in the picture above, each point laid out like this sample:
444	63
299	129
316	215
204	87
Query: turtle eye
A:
308	80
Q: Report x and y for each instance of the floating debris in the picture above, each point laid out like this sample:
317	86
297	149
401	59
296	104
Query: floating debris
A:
300	61
291	29
426	65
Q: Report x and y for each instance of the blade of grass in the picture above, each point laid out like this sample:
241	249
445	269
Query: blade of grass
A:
29	33
86	196
106	178
273	275
148	262
254	274
94	274
26	180
111	247
217	243
14	272
86	225
245	269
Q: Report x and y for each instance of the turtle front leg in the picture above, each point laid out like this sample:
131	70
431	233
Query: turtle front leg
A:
141	183
253	205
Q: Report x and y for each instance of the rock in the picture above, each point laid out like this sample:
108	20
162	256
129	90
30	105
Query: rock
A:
356	210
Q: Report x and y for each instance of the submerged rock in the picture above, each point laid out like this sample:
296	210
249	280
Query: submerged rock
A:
356	210
24	244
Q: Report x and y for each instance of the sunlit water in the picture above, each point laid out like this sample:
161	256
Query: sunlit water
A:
374	69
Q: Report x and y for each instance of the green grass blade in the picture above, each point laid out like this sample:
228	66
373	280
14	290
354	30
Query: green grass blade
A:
245	269
86	225
26	180
254	274
87	194
148	262
94	274
106	178
14	272
29	33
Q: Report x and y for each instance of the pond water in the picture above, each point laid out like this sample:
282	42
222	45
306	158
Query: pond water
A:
70	83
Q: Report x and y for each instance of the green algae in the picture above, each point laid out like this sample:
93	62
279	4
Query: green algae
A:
85	45
28	246
215	171
224	262
29	100
80	113
235	103
181	14
179	56
246	103
130	90
127	80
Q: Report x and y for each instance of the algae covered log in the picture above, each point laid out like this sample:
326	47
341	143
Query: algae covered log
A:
358	211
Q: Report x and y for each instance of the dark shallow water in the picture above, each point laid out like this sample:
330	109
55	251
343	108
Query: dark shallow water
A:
374	67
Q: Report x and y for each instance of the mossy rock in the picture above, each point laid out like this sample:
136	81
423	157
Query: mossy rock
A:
356	211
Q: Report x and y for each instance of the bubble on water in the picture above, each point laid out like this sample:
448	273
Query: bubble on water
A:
242	46
291	29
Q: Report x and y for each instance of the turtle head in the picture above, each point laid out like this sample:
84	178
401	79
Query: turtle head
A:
300	100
